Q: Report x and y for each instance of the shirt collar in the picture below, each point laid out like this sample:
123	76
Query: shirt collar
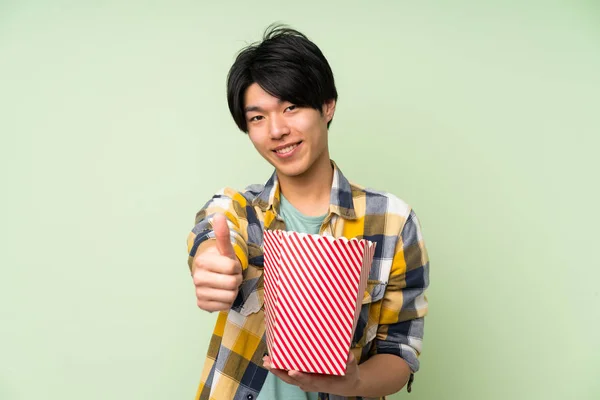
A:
341	200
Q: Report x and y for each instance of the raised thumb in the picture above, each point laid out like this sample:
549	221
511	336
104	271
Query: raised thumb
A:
221	230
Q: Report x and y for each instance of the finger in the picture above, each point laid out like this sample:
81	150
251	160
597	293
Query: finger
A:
222	235
351	358
267	362
284	376
216	295
204	278
307	382
218	263
212	306
300	377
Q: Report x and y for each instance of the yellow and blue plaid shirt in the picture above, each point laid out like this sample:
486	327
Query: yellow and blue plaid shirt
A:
394	305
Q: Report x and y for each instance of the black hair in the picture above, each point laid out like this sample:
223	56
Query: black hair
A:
287	65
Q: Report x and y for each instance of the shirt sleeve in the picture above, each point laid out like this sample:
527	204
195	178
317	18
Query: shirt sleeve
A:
233	205
404	304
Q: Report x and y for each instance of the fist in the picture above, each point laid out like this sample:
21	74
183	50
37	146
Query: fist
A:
217	271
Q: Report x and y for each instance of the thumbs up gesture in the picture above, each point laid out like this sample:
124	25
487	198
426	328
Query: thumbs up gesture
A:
217	271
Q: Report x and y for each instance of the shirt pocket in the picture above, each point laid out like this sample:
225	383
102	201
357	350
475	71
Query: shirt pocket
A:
250	297
368	320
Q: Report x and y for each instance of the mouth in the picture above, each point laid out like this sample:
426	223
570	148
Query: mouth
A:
287	149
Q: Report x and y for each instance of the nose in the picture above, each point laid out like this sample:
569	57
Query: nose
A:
279	127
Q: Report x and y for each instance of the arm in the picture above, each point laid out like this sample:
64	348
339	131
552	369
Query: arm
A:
404	305
382	375
217	251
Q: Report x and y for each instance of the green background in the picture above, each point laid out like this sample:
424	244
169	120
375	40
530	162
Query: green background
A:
115	131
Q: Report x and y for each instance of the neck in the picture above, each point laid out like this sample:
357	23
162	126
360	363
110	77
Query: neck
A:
310	191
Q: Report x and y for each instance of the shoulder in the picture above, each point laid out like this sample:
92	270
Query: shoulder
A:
247	195
253	191
380	202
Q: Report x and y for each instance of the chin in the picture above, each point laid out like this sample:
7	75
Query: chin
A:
292	170
296	168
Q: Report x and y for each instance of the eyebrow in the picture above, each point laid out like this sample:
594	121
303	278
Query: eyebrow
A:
253	108
248	109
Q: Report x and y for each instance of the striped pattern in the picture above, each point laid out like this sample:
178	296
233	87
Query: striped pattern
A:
314	288
272	251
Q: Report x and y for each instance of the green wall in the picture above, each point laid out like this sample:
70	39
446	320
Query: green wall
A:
484	116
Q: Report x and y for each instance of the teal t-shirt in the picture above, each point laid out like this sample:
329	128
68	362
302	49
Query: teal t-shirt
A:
274	388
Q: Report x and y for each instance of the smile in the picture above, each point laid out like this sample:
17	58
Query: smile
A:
287	149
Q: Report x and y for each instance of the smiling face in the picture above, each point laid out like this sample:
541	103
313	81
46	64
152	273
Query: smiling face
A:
291	138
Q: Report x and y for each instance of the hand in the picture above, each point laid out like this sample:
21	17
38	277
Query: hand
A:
347	385
216	270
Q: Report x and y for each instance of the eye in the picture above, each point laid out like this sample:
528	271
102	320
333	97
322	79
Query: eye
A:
256	118
291	108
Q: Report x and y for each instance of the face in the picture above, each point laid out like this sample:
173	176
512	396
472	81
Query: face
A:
293	139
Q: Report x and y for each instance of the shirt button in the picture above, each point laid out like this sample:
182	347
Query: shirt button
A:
249	397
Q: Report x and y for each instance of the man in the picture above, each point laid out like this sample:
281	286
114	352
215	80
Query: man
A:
281	92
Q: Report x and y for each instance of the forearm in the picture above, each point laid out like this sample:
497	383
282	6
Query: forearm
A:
382	375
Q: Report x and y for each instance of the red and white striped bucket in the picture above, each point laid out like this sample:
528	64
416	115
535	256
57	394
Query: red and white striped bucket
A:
314	286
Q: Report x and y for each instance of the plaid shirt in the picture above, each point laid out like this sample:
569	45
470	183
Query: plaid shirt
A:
393	308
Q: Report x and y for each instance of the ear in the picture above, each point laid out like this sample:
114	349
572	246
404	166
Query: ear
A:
328	110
